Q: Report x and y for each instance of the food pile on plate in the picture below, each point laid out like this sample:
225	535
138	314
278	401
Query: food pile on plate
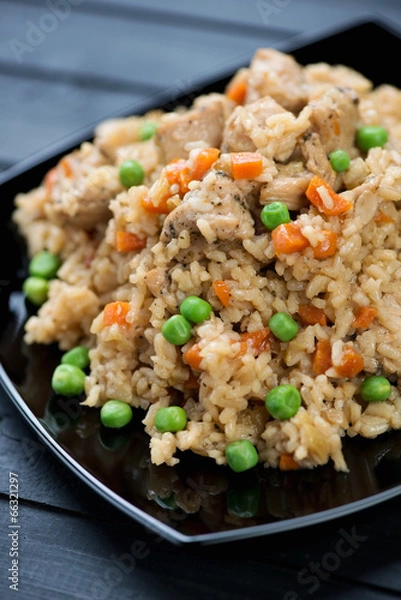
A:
231	268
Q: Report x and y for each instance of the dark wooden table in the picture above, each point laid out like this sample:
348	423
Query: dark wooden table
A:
64	66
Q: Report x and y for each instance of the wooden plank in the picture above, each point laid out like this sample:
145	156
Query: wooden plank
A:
44	479
72	85
357	548
234	15
283	15
88	558
130	50
34	114
5	164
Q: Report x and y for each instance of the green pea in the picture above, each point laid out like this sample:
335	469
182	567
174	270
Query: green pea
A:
115	414
375	389
283	402
274	214
147	131
283	326
68	380
36	290
339	160
177	330
78	356
195	309
44	264
131	173
170	418
371	136
241	455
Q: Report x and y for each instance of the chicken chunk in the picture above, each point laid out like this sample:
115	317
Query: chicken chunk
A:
321	76
202	123
85	202
265	126
333	117
317	160
217	209
80	187
278	75
288	186
239	130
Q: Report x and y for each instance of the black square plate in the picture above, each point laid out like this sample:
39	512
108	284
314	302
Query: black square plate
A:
225	506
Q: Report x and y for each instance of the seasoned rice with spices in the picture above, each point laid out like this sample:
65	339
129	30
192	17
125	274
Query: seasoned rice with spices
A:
197	230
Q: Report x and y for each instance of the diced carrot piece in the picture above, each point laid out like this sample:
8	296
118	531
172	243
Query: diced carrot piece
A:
222	291
381	218
312	315
65	164
160	209
173	170
192	357
288	238
116	312
203	162
326	200
287	463
326	246
184	180
236	91
180	172
258	341
127	241
351	363
50	179
184	173
246	165
364	317
321	360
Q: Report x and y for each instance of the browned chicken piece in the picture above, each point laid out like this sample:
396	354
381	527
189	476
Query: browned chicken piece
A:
81	187
334	115
333	119
278	75
288	186
244	121
321	76
316	157
203	122
85	202
212	98
217	209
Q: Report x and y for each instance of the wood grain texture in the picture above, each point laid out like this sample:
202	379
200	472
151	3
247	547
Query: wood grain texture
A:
105	558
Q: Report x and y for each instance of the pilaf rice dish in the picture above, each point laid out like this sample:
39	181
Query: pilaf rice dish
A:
237	260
